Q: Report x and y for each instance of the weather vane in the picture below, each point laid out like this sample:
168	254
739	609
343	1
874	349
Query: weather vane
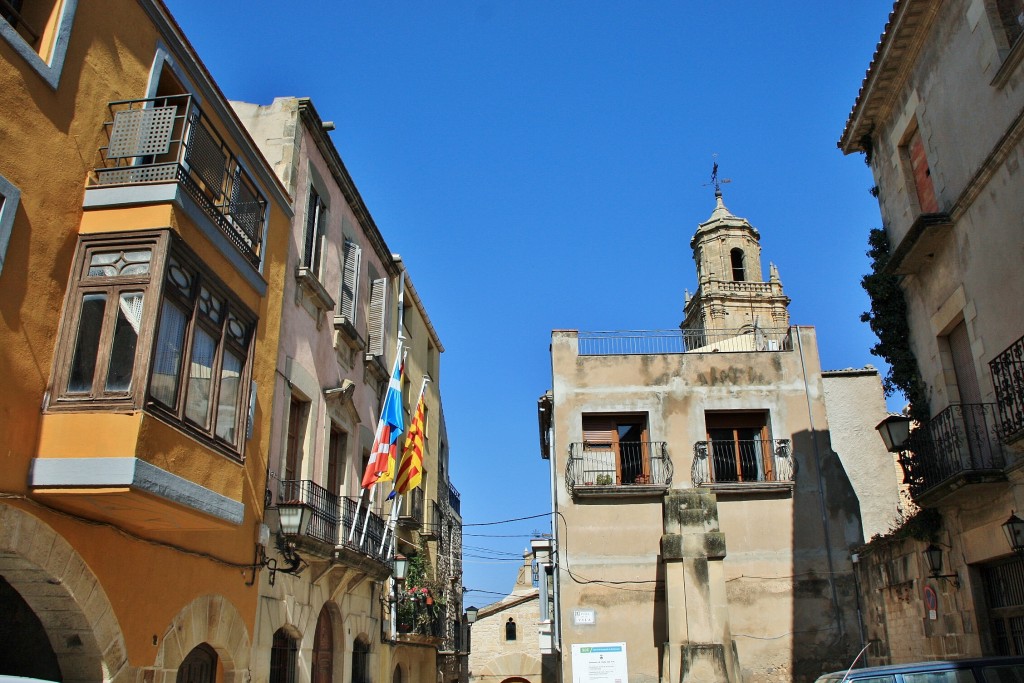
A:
715	180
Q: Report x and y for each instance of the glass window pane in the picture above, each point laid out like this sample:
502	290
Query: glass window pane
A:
227	405
955	676
126	335
90	325
200	376
170	344
1008	673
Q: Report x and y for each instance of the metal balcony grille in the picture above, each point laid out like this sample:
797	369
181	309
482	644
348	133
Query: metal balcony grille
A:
653	342
742	461
334	517
1008	378
626	464
961	440
169	139
454	500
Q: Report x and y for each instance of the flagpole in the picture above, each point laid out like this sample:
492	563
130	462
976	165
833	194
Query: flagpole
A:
392	519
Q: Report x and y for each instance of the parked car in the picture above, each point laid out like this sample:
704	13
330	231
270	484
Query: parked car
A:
981	670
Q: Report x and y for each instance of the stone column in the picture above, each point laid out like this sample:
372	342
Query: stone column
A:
700	647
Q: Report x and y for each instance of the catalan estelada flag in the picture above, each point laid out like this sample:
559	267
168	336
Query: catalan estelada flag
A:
381	466
410	472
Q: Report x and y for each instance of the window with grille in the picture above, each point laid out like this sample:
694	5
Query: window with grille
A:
615	449
739	446
1003	583
283	656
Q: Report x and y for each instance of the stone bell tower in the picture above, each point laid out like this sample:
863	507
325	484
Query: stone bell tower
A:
731	291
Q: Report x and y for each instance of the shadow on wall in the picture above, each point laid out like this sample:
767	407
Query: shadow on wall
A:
826	527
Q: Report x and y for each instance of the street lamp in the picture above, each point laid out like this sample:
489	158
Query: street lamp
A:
1014	530
401	567
895	432
471	614
294	518
933	558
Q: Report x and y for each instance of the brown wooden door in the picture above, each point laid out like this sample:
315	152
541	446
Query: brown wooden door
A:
294	444
323	649
199	666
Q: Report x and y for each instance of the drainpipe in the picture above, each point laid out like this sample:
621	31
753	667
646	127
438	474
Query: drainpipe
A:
821	487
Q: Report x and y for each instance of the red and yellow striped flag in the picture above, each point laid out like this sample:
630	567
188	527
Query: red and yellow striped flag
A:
410	472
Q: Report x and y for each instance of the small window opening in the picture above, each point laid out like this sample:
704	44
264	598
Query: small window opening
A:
510	629
738	270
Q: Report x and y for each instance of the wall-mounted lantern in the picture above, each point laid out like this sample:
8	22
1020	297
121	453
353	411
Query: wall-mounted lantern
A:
1014	530
895	432
933	558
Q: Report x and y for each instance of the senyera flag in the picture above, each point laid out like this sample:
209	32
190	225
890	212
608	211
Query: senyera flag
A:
410	472
381	466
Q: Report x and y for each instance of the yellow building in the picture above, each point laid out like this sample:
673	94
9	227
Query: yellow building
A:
142	243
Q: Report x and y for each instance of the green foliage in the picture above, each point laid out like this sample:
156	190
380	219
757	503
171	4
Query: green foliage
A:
888	320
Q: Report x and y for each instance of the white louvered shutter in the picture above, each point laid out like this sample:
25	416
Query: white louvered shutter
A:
350	280
378	306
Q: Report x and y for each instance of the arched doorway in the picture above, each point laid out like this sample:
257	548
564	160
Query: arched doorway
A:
323	648
26	648
397	676
199	666
284	655
361	660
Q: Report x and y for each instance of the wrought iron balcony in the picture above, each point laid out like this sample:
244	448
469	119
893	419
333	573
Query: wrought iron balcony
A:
170	140
334	517
742	461
700	340
454	500
958	446
622	466
1008	377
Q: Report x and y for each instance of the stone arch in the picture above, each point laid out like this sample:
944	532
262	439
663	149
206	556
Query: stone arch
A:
65	595
512	665
210	619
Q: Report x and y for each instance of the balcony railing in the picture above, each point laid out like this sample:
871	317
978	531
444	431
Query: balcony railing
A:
742	461
334	516
454	500
1008	377
168	139
961	441
621	465
9	12
647	342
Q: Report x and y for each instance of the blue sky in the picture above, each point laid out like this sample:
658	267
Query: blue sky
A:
542	165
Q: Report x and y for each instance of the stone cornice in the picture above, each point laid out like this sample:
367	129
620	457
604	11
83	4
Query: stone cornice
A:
894	57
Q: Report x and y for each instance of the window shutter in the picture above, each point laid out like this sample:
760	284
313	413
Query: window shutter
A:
350	280
310	238
599	430
378	303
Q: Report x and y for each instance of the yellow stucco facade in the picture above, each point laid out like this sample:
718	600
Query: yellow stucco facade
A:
129	532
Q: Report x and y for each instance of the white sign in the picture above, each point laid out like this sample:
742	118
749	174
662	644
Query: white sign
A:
583	617
599	663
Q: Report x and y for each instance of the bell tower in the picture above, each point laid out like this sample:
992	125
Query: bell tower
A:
731	291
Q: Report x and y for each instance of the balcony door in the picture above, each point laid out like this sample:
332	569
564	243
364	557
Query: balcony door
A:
973	417
617	444
739	447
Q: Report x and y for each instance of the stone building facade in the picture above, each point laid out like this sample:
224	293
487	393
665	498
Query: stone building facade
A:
940	119
506	639
706	518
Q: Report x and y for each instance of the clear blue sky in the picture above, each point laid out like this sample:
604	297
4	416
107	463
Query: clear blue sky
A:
540	165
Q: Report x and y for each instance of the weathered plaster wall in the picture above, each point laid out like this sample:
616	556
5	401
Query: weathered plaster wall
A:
785	558
855	404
